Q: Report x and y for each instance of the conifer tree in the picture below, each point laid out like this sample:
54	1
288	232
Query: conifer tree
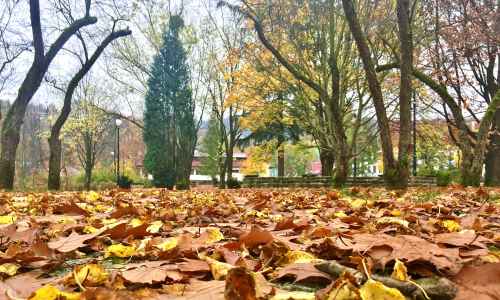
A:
169	126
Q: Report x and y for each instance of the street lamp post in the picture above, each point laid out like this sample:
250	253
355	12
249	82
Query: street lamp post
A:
118	123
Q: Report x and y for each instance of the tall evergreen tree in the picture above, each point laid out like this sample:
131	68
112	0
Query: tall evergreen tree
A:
169	126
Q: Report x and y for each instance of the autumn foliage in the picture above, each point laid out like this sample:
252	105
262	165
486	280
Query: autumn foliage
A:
250	244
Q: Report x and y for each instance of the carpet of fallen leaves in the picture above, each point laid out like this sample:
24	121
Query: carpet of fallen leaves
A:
356	243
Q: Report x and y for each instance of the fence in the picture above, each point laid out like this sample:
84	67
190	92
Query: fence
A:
310	181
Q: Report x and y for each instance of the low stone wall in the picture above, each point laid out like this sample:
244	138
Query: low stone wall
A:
263	182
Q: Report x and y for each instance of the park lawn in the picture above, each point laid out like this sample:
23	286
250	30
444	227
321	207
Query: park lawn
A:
357	243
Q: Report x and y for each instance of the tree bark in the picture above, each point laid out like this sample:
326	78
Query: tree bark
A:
10	134
281	160
492	172
405	92
54	180
327	158
390	167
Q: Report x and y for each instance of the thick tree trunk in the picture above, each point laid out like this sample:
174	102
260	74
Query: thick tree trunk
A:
405	88
342	164
11	131
469	172
54	181
473	167
327	159
88	178
492	174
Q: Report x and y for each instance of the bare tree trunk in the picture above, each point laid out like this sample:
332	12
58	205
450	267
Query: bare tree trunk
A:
327	159
54	180
476	168
14	119
88	178
281	160
405	92
492	174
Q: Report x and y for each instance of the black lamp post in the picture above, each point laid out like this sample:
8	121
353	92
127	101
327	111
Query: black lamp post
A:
414	134
118	123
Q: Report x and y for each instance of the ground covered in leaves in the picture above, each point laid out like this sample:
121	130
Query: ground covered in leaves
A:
251	244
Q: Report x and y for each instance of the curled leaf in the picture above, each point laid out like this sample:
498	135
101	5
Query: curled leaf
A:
90	275
375	290
400	272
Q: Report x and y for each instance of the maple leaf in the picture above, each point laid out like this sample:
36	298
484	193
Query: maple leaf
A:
73	241
152	272
255	237
303	272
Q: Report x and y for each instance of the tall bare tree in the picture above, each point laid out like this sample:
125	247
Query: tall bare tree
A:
54	181
396	171
42	59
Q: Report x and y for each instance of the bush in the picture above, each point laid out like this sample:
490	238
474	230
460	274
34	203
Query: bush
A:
233	183
125	182
183	184
166	180
443	178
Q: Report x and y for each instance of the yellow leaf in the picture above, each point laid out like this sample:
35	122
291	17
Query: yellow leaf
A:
296	295
400	272
344	291
135	222
169	244
340	214
91	274
451	225
374	290
393	220
92	196
214	235
154	227
298	257
119	250
8	219
358	203
219	269
50	292
89	229
396	213
9	268
109	221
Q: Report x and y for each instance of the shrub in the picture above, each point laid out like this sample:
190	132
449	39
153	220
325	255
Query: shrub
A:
443	178
183	184
233	183
124	182
165	180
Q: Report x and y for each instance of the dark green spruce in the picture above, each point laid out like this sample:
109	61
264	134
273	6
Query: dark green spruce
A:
169	126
